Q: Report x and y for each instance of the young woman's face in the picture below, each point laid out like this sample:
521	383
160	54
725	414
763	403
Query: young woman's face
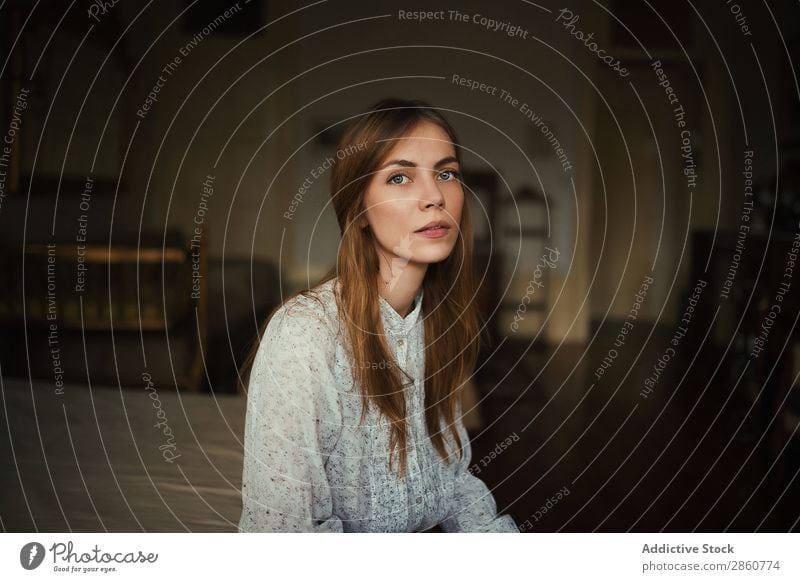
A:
416	184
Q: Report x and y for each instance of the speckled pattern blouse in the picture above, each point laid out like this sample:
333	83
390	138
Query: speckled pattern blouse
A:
309	467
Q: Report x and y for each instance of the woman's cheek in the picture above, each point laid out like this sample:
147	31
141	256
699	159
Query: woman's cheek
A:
390	228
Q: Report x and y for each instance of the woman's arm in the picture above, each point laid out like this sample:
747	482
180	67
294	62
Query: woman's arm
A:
292	412
473	508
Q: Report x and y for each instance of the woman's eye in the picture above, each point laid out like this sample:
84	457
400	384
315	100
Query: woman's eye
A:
450	175
394	179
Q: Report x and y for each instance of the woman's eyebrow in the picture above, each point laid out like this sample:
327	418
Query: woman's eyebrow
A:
410	164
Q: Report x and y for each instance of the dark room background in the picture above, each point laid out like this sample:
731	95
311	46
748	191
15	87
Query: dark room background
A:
633	169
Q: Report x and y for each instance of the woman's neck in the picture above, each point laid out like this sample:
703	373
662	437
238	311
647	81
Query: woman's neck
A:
400	287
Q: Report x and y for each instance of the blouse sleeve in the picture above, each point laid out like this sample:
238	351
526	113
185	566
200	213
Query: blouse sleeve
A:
293	420
473	507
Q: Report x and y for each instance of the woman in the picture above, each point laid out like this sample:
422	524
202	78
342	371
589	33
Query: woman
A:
353	412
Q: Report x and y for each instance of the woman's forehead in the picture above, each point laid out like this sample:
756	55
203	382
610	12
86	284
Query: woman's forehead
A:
425	140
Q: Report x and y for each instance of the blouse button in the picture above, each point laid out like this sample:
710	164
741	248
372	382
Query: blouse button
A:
401	342
419	499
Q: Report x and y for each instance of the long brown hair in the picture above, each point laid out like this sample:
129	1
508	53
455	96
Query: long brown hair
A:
449	290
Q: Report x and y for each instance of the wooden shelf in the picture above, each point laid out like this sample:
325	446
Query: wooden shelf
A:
114	254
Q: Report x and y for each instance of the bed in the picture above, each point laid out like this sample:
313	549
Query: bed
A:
121	460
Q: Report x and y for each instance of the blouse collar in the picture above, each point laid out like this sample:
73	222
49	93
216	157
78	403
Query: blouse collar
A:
392	321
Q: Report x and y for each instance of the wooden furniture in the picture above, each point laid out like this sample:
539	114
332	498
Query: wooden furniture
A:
123	288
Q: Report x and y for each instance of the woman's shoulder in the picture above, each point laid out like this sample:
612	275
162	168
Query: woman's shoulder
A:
311	315
317	303
296	356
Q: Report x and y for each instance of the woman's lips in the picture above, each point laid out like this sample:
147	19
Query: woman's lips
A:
433	232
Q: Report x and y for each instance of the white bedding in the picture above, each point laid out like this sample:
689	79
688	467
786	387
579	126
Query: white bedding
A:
95	460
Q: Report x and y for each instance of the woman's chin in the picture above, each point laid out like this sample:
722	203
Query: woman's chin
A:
432	256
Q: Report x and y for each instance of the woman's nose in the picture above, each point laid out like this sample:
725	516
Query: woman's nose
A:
431	195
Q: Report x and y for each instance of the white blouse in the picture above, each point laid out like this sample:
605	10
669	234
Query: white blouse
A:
309	467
